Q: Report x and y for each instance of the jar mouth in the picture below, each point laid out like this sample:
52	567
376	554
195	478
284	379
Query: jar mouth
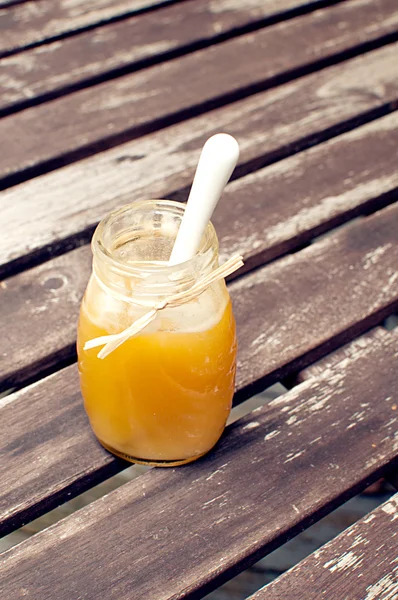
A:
136	241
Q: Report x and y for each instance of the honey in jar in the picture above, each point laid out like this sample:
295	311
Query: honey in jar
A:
163	396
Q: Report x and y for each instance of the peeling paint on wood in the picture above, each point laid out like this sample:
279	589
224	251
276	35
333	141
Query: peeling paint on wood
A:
343	172
49	295
360	288
179	533
274	299
220	496
23	24
360	564
51	67
130	106
75	197
342	355
303	294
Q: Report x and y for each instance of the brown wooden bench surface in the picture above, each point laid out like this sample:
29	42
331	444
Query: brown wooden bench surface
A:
271	301
344	176
310	109
35	25
318	131
128	44
130	106
242	500
365	557
28	23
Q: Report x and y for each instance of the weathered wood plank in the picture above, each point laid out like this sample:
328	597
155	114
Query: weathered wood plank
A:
116	111
28	23
48	298
279	330
179	533
345	352
290	202
48	70
75	197
360	563
319	534
343	177
331	291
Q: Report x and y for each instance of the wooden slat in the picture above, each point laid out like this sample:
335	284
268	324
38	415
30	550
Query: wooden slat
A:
48	298
273	210
178	533
329	362
48	70
343	177
268	125
28	23
122	109
359	563
352	283
318	298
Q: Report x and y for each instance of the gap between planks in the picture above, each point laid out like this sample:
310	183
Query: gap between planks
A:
279	332
220	495
71	200
343	179
66	25
130	45
360	563
368	24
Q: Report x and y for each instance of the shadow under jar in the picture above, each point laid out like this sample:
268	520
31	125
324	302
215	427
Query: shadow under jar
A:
163	396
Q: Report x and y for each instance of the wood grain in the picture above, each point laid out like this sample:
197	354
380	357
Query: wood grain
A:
359	563
100	53
113	112
330	361
179	533
289	314
299	308
277	208
343	177
268	126
48	298
28	23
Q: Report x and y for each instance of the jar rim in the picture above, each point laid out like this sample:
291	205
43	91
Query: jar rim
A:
101	249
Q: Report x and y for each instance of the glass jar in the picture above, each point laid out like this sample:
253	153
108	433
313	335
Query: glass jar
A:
164	395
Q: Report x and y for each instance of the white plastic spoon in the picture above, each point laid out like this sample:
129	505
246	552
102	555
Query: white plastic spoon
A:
217	161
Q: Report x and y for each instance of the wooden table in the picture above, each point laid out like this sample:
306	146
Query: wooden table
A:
106	102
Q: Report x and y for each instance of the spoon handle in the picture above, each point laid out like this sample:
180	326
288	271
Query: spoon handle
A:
217	161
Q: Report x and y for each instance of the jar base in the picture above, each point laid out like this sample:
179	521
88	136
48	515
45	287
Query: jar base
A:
150	462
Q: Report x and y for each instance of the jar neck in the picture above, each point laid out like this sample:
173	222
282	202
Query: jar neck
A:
131	248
